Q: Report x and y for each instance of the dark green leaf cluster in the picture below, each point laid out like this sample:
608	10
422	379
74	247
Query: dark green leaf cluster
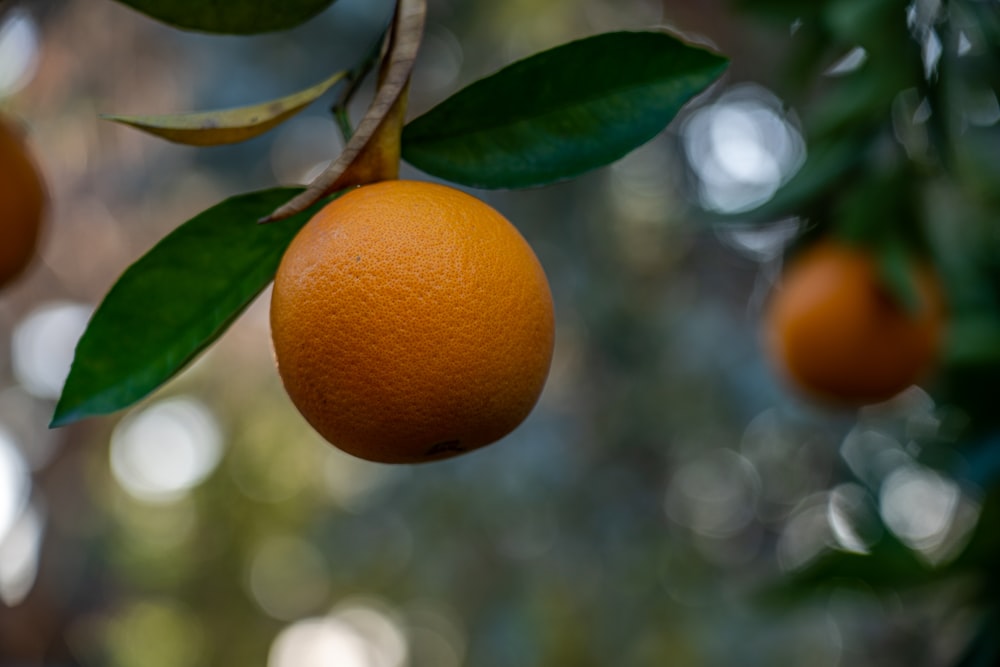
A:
903	158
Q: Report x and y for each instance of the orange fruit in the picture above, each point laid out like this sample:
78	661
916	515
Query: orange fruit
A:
411	322
22	204
839	333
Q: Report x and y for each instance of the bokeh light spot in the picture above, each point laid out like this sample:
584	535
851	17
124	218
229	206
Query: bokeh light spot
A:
980	107
931	51
760	242
319	643
714	495
806	534
964	44
741	148
18	51
871	454
15	483
355	635
43	346
440	61
434	635
288	577
850	514
19	551
161	452
849	62
917	504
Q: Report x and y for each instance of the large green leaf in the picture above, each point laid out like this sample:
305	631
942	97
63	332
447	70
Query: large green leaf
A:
174	301
233	17
561	112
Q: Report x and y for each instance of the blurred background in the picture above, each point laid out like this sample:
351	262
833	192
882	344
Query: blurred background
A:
669	502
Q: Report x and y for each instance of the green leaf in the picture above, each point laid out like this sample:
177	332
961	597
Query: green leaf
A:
889	567
233	17
561	112
174	301
898	272
227	126
877	213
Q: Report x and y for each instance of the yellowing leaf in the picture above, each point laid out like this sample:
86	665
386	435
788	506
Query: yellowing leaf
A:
227	126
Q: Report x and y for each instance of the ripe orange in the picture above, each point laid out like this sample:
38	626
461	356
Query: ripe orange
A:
22	204
411	322
840	334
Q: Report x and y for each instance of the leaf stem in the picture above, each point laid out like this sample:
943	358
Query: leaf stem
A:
355	77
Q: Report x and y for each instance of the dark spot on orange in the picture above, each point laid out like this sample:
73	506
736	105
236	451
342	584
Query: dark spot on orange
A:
446	447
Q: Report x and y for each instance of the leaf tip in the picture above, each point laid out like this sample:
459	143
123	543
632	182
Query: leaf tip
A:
63	417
